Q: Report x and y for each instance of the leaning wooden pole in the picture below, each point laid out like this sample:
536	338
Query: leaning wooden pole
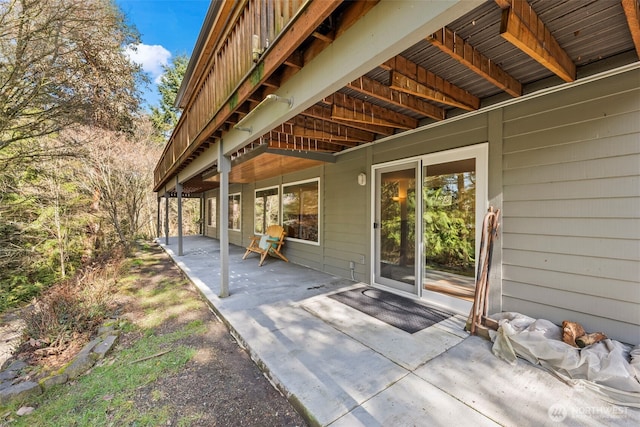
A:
477	317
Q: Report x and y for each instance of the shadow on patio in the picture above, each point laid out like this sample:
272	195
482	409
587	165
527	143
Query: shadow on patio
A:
341	367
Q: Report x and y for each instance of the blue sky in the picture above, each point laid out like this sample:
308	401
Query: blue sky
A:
167	28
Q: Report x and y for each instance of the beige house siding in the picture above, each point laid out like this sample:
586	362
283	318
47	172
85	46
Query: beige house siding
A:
571	218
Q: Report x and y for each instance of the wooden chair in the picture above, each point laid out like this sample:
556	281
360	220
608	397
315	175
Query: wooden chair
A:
269	243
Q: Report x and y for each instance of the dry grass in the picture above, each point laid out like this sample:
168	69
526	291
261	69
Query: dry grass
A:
71	310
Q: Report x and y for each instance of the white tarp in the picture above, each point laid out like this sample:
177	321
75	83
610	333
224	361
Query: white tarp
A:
609	367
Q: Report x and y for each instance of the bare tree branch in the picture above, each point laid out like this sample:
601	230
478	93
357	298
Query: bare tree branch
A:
62	63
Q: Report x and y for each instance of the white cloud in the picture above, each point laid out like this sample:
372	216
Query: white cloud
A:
150	57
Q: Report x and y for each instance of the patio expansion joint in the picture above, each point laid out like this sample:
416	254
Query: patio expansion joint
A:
382	390
445	391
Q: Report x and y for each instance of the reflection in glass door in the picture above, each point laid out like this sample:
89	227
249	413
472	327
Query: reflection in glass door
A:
427	212
395	228
449	229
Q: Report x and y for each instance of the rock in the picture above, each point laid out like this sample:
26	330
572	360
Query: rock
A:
53	380
104	330
81	364
89	346
103	348
19	392
16	366
6	363
8	375
25	410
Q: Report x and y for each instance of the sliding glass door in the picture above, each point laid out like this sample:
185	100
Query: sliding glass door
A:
395	227
427	218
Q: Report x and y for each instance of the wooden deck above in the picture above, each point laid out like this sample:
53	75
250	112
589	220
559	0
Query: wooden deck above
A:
503	49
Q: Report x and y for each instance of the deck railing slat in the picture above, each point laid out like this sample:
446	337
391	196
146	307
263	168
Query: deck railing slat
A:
232	62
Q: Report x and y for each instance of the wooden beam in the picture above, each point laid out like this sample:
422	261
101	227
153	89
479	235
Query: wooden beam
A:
294	61
327	38
354	110
289	141
322	135
522	27
632	12
324	113
456	47
414	87
338	131
371	87
305	154
409	77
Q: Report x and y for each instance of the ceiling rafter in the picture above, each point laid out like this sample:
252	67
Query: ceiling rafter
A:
523	28
456	47
295	60
409	77
288	132
632	12
338	130
289	141
354	110
324	113
327	38
374	88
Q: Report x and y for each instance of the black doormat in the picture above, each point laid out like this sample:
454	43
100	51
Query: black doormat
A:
403	313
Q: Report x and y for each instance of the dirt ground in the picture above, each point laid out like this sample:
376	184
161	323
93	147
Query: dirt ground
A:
220	385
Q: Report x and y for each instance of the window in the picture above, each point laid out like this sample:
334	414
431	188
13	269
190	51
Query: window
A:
212	209
300	210
266	209
234	211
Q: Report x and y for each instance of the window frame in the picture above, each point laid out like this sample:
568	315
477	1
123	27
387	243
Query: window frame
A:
212	212
231	197
282	212
255	199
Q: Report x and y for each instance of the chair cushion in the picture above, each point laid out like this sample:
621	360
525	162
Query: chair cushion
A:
264	243
274	240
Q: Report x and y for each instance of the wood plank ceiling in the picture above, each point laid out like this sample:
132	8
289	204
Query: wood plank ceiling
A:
499	50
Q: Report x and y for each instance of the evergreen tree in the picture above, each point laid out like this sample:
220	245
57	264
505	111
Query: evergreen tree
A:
165	116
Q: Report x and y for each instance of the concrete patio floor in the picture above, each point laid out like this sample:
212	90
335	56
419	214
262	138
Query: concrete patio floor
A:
340	367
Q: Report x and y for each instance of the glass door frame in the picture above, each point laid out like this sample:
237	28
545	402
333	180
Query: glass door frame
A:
376	275
481	154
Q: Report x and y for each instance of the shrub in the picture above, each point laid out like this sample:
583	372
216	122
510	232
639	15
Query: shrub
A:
73	307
